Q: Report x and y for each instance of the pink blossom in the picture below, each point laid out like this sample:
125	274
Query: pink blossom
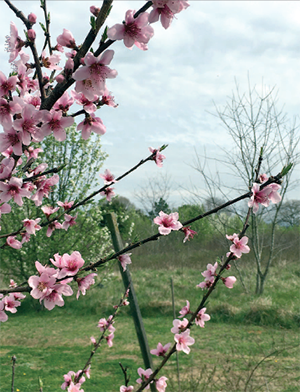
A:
6	168
231	237
201	318
124	260
66	39
66	205
44	188
14	43
158	157
108	193
166	9
11	303
185	310
108	99
51	61
90	79
14	139
210	272
161	350
75	387
189	233
55	296
52	226
69	221
85	283
109	339
161	384
45	269
47	210
259	197
90	124
31	225
56	123
7	110
32	152
179	325
133	31
144	375
25	237
80	99
167	222
64	103
205	285
93	340
18	296
183	341
263	178
108	177
13	189
7	85
239	246
229	281
104	324
12	283
3	315
274	196
126	389
41	285
5	209
71	264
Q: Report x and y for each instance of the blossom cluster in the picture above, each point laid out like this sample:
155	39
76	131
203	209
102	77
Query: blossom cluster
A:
269	193
22	94
52	283
10	302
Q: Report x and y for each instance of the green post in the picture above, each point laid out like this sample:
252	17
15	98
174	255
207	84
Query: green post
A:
112	225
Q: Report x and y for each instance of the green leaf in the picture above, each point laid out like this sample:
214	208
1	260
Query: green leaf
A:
286	169
163	147
104	35
93	22
43	27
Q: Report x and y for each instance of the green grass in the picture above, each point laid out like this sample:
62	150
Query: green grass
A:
243	330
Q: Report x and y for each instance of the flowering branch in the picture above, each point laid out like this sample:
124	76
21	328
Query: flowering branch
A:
106	327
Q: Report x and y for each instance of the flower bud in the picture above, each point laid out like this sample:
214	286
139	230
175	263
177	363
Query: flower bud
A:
69	66
60	78
31	35
32	18
94	10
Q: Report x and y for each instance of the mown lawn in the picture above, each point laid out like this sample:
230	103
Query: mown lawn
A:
244	330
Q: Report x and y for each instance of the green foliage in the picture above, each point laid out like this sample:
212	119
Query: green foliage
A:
160	205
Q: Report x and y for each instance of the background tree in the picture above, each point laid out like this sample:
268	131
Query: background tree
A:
253	122
154	196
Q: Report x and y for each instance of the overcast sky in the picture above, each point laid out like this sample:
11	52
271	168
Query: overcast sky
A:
166	94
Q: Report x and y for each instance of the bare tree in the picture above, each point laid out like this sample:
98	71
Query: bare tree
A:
155	194
253	122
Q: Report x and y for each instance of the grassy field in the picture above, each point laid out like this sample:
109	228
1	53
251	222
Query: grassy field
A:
250	344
